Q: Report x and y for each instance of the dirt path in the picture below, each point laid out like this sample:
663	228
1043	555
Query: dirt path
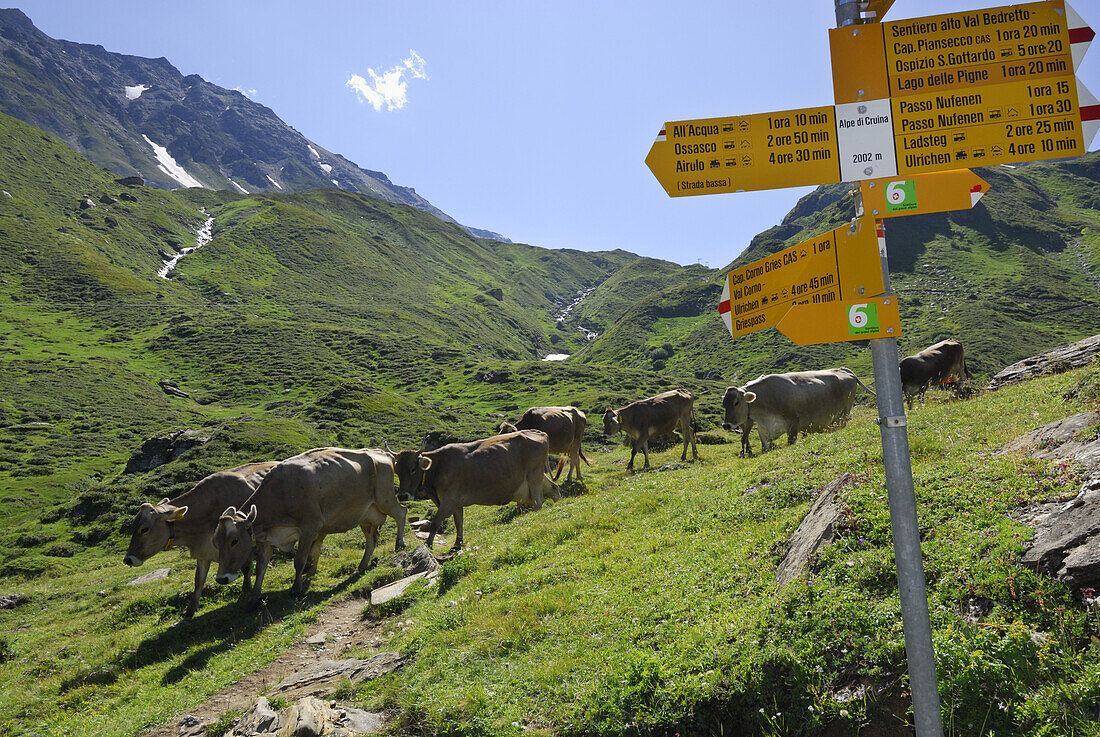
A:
344	629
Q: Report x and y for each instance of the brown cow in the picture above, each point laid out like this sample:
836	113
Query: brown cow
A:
564	426
188	522
647	418
491	471
800	401
303	499
939	363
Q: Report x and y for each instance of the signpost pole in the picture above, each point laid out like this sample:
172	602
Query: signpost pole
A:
916	622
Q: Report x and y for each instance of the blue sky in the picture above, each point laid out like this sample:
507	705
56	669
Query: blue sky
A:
530	119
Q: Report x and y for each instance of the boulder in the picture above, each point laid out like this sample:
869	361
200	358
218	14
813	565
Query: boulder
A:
158	575
131	182
11	601
321	679
259	719
161	449
818	528
1055	361
169	387
86	203
1066	544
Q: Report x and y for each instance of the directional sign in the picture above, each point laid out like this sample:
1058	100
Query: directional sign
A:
841	264
748	152
958	189
1005	123
808	324
957	51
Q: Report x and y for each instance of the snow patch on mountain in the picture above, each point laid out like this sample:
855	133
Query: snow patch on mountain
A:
274	182
326	167
240	189
313	151
133	93
168	165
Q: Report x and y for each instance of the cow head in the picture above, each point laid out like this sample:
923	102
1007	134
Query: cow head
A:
233	539
152	531
610	422
736	403
411	467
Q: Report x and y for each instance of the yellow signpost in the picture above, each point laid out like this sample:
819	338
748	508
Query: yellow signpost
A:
956	51
958	189
842	264
747	152
1005	123
836	322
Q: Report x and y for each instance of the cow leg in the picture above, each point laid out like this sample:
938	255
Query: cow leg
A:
263	558
446	509
201	568
765	444
370	535
246	578
458	529
395	509
302	557
633	451
574	462
792	433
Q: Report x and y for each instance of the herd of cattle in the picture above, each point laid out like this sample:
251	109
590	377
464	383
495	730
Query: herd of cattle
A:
241	515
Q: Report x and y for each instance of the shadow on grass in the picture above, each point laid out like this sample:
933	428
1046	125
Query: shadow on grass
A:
220	628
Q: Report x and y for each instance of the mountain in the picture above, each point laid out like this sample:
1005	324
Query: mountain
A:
142	117
1014	276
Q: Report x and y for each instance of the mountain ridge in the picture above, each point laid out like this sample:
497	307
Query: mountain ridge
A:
137	116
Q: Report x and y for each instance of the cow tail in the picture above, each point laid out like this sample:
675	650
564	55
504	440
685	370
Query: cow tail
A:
562	460
581	454
869	389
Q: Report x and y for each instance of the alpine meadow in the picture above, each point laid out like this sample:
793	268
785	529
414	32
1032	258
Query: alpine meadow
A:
656	602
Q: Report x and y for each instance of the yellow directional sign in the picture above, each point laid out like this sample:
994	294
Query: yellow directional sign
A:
963	50
958	189
836	322
747	152
841	264
1005	123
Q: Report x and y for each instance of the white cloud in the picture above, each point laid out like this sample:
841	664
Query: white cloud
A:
250	94
389	88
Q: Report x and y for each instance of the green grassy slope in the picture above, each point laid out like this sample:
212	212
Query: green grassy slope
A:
645	604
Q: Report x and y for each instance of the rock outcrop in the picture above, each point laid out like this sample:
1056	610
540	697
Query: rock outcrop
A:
1066	544
1055	361
817	528
161	449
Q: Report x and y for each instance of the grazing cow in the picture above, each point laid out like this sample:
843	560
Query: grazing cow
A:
303	499
564	426
491	471
939	363
647	418
806	401
188	521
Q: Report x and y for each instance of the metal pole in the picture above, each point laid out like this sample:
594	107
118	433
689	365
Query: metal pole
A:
916	622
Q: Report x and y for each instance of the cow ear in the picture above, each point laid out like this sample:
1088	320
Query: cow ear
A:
250	517
424	463
750	397
230	512
164	501
176	514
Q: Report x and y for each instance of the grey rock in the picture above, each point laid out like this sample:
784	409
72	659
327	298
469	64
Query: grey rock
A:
169	387
818	528
1066	544
158	575
394	590
108	200
161	449
131	182
1055	361
86	203
191	726
11	601
418	560
318	639
260	718
312	717
321	679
